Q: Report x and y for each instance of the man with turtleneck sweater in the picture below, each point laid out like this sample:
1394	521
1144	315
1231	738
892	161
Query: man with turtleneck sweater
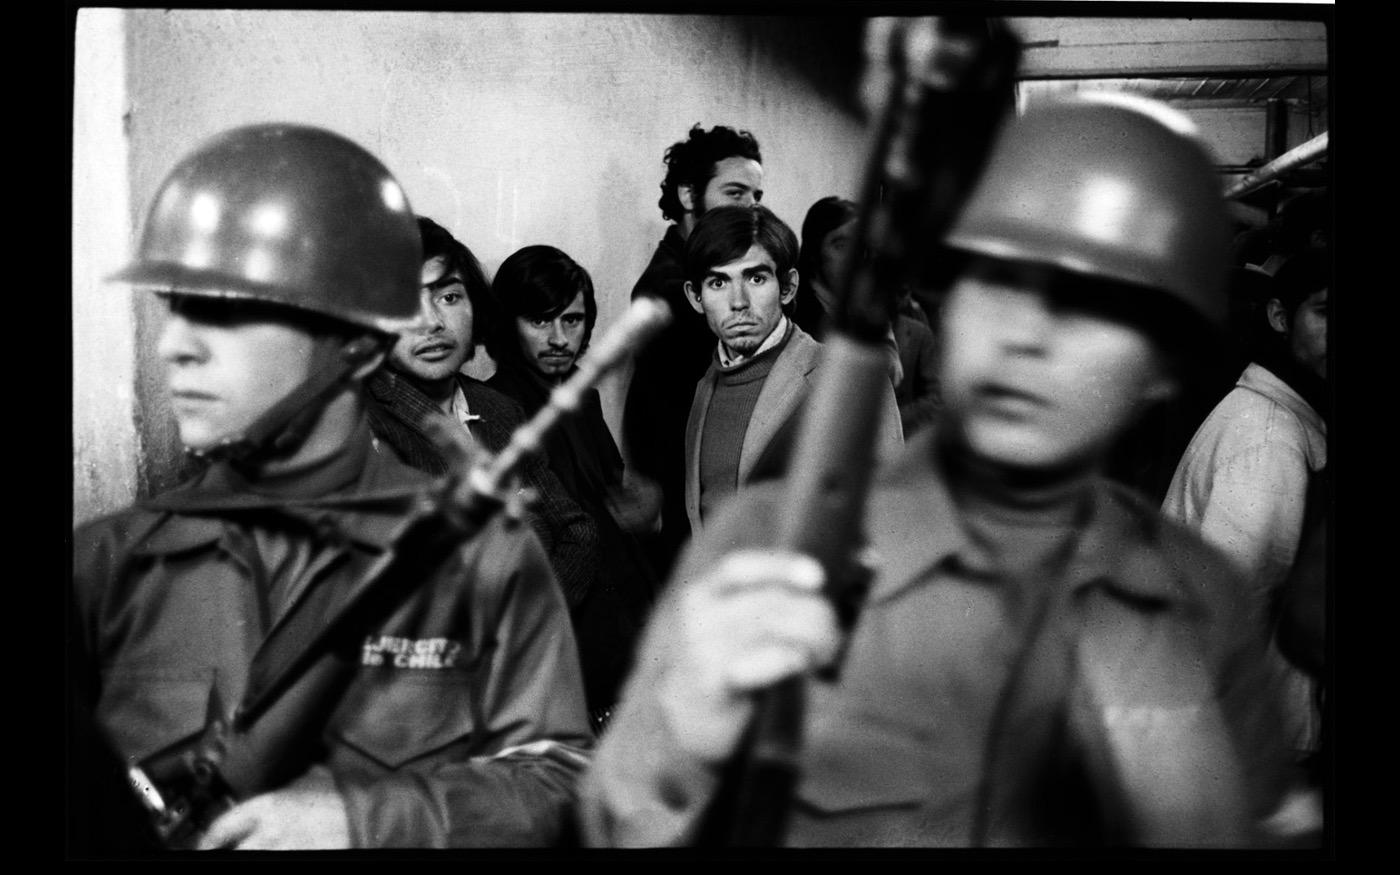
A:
1041	659
740	273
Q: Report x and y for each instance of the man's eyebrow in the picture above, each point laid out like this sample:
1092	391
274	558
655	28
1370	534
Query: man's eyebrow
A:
762	268
443	282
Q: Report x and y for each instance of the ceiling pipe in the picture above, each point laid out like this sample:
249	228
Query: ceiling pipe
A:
1297	157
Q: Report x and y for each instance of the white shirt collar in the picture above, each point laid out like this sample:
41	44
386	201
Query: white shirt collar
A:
460	411
773	339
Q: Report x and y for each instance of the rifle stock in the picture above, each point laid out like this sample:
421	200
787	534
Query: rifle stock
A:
949	87
269	738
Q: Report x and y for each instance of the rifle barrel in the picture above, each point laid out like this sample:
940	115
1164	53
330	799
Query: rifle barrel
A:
949	88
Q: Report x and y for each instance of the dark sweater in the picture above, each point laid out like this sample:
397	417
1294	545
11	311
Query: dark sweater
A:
727	421
660	392
585	458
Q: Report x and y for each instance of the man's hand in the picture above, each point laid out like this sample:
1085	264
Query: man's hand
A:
753	619
636	504
307	814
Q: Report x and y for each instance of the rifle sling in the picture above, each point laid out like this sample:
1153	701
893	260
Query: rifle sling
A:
302	637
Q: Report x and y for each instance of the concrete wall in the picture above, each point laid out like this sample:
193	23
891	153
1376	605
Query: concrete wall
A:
105	447
510	129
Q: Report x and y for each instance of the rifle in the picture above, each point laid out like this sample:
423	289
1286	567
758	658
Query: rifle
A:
950	85
269	737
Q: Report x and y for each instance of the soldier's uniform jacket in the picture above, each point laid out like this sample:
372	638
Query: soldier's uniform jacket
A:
465	723
970	710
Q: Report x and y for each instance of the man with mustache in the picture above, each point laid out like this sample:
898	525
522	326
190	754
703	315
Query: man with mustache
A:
290	259
548	311
1041	659
740	272
423	379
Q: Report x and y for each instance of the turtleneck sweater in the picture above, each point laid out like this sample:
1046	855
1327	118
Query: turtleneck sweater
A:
1022	525
727	421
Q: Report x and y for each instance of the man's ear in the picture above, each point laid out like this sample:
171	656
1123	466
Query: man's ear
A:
789	288
686	195
1161	389
1278	315
693	298
1163	383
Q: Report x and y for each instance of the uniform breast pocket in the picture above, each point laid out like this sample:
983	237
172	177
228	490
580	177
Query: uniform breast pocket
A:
862	784
145	710
394	718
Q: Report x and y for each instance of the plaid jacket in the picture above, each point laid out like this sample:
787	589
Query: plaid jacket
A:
397	410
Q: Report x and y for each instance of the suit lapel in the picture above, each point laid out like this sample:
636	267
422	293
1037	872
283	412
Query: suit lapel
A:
782	392
699	406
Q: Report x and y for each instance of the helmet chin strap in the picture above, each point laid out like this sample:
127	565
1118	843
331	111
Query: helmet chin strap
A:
286	424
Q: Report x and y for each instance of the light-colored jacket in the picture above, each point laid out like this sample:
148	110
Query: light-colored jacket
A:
1243	480
790	381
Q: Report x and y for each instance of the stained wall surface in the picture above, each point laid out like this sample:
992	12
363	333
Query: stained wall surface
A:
509	129
105	446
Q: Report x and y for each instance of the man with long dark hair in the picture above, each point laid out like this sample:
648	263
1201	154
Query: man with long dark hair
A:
547	315
423	380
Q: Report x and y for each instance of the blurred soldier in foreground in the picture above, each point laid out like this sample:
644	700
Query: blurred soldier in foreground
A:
1041	659
290	259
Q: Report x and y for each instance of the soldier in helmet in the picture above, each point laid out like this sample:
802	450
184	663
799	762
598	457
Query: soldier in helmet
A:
290	258
1041	659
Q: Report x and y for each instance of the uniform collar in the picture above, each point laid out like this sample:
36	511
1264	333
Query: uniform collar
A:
913	523
915	526
367	512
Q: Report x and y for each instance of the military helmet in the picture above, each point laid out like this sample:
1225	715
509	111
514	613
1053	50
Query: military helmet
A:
1108	185
288	214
